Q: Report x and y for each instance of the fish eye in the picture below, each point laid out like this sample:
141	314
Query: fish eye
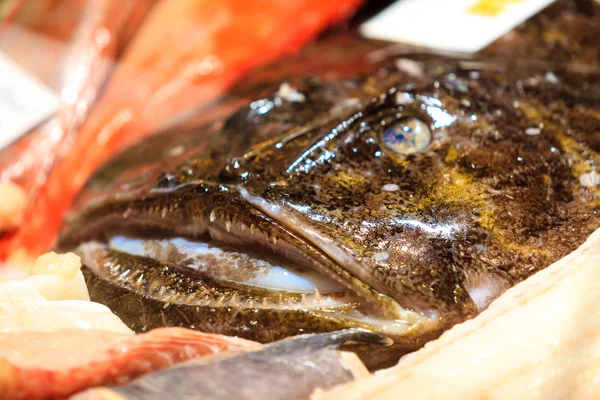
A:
406	136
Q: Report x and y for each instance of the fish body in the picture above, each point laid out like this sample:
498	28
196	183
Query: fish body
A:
289	369
369	186
51	369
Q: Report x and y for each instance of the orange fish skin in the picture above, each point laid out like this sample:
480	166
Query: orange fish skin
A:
184	55
118	359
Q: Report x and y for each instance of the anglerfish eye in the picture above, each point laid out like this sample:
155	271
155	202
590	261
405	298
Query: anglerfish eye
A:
406	136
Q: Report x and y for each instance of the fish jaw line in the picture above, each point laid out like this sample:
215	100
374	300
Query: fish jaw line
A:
238	233
240	225
342	310
388	307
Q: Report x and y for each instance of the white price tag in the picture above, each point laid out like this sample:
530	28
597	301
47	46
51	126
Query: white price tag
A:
450	25
24	101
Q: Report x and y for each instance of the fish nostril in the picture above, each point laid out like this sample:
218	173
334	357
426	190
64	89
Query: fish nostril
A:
167	181
407	136
228	174
233	171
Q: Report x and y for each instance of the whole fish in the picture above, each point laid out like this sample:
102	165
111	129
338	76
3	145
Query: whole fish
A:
361	185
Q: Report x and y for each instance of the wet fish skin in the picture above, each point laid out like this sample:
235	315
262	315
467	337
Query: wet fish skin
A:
539	340
485	206
289	369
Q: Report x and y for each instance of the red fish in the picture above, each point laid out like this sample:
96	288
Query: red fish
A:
69	46
185	54
58	364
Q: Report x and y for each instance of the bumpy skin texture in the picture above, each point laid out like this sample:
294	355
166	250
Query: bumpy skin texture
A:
507	185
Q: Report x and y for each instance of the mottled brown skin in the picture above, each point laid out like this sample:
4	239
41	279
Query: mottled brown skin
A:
484	202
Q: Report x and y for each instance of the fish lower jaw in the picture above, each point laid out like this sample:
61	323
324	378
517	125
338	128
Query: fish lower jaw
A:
363	310
301	290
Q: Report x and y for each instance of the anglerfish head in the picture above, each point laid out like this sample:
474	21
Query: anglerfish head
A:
355	203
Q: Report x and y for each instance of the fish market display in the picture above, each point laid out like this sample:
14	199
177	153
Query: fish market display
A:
54	342
399	193
185	54
290	370
539	340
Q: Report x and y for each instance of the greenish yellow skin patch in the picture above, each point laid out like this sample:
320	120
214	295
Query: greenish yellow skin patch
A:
347	180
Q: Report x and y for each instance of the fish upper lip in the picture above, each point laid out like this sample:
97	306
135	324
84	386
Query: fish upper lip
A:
386	306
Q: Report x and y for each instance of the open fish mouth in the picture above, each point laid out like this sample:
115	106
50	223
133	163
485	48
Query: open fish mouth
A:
243	262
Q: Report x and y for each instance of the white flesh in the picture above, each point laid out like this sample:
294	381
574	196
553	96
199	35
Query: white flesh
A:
53	298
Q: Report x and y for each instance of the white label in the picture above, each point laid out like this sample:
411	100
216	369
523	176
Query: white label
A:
24	101
450	25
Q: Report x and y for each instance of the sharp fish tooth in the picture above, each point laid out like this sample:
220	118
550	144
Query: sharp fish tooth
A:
203	302
139	282
252	229
318	296
228	226
190	298
212	216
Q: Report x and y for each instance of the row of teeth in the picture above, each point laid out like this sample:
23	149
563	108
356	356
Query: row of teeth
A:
230	221
162	293
168	296
163	210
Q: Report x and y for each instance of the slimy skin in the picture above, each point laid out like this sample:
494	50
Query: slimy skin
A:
418	199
